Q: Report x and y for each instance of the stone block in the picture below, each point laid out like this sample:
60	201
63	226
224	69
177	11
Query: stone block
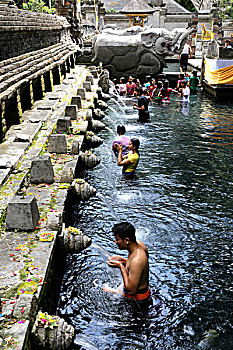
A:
42	170
36	116
75	147
4	173
22	213
94	73
63	125
81	92
90	78
71	111
27	303
58	143
77	100
54	221
67	175
87	86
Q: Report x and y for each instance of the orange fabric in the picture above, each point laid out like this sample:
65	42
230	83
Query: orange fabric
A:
139	296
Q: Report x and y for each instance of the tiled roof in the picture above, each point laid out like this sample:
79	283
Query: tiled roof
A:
137	7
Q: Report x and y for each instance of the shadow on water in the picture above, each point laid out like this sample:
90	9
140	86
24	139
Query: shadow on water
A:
181	204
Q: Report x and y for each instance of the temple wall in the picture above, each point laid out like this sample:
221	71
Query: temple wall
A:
36	51
23	31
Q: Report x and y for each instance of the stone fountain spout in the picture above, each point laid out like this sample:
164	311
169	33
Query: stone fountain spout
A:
137	51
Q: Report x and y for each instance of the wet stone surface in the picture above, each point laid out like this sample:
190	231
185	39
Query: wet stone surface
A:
23	256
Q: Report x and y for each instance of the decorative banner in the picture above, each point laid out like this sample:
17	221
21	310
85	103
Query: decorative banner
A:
218	71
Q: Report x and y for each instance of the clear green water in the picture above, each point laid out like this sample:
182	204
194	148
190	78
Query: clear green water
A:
182	207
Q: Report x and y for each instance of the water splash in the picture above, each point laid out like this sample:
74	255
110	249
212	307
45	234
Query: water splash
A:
106	202
107	116
116	113
122	110
111	131
111	178
95	245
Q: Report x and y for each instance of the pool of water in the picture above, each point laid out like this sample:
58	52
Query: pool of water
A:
182	207
175	67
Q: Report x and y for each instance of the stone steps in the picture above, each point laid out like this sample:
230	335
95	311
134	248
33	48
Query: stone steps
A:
13	19
26	67
29	66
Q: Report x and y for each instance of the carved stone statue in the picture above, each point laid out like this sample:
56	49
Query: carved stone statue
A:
104	81
137	51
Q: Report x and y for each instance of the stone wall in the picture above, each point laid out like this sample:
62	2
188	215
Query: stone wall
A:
24	31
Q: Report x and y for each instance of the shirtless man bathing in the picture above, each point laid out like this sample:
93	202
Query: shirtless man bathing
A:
134	269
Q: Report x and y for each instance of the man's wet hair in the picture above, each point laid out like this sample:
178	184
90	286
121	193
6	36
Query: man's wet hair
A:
194	73
139	90
121	129
124	230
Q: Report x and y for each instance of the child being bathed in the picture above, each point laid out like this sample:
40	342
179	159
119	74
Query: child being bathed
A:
130	161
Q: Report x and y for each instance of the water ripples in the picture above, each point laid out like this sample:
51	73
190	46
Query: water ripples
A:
181	204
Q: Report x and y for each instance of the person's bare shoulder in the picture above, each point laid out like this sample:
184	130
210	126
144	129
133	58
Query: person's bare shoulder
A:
143	246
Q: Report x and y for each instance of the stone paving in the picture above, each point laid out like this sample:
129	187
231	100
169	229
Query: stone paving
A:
23	256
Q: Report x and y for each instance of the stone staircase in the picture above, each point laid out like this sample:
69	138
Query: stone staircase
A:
26	78
15	19
28	66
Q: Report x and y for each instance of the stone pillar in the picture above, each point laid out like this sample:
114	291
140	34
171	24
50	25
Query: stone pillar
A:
42	85
51	78
76	100
63	125
42	170
81	92
25	96
72	61
68	65
71	111
31	93
19	106
3	119
58	143
56	75
90	78
87	86
203	18
1	133
22	213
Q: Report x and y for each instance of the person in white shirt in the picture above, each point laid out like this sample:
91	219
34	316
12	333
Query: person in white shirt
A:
184	56
227	44
122	87
185	91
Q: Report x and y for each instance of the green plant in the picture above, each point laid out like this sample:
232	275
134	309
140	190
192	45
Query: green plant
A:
187	4
225	9
38	6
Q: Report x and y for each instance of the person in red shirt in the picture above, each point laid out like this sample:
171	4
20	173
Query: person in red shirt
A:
165	92
152	87
130	87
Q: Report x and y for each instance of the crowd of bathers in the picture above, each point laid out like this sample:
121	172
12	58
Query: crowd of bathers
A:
126	149
159	90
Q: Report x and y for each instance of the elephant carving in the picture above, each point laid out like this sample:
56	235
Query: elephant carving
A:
137	51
